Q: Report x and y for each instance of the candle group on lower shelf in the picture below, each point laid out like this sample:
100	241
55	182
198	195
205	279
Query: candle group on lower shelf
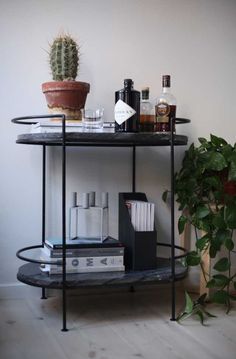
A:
89	220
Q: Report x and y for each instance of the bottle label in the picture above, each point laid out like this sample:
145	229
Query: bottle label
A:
162	112
123	112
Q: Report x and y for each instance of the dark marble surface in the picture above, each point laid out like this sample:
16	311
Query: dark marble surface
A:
30	274
101	139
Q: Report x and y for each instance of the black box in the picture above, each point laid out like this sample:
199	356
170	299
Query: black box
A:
140	247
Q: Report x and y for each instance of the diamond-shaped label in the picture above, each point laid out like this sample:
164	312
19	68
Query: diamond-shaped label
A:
123	112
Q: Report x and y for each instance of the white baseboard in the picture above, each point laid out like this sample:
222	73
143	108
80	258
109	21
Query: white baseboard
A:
21	291
18	290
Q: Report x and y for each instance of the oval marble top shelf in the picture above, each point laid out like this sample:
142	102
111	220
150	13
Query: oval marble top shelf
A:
102	139
30	274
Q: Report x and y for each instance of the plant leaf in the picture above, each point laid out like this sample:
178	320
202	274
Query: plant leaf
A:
222	235
215	161
200	315
220	297
222	265
202	212
213	181
202	140
215	247
217	141
230	215
218	220
221	280
229	244
202	299
165	195
202	242
188	304
181	223
227	151
211	283
193	259
232	167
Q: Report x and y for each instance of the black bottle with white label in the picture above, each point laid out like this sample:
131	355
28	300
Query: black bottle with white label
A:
127	108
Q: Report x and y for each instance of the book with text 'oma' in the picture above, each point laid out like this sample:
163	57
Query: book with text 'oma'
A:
86	265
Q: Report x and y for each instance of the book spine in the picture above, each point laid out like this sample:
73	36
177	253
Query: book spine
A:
82	245
58	270
83	252
89	262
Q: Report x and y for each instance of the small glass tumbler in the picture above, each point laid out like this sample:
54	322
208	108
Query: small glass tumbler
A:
92	120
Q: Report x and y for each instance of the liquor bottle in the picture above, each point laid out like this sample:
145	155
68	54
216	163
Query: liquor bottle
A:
165	108
147	115
127	108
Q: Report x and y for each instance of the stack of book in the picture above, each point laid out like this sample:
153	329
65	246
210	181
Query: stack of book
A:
141	215
71	126
83	256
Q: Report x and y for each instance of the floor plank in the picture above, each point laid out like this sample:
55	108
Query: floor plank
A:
112	325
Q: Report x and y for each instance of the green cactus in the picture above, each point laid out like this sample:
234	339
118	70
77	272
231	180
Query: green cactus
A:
64	58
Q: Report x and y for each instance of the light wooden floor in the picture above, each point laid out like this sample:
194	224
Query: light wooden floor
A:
114	325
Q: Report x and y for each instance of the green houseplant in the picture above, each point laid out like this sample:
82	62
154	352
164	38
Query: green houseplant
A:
64	94
205	189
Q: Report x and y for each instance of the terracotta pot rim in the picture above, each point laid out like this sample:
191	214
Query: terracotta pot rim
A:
65	86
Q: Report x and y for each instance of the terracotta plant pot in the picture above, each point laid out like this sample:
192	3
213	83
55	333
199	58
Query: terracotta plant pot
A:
230	188
66	97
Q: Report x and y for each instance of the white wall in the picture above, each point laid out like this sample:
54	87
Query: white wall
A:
193	40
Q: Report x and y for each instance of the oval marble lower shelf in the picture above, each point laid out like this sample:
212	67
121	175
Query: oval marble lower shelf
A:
30	274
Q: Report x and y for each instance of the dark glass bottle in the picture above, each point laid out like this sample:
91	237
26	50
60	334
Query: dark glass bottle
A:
127	117
147	112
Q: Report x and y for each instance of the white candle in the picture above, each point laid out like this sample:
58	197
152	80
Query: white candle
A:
74	199
91	199
104	199
85	200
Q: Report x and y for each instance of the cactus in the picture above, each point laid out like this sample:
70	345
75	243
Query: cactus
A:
64	58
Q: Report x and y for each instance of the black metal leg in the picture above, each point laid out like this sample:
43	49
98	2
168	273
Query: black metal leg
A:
43	293
43	205
43	194
64	328
134	169
173	292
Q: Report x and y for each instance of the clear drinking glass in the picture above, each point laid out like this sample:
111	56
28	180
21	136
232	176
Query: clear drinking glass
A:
92	119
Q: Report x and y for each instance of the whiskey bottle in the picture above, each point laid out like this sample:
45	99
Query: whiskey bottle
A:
147	115
127	108
165	108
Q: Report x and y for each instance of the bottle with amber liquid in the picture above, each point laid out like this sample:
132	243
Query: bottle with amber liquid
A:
127	108
165	108
147	113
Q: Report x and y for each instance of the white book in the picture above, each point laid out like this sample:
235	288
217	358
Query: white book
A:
144	206
50	253
71	126
152	212
58	270
137	218
133	213
86	262
148	221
